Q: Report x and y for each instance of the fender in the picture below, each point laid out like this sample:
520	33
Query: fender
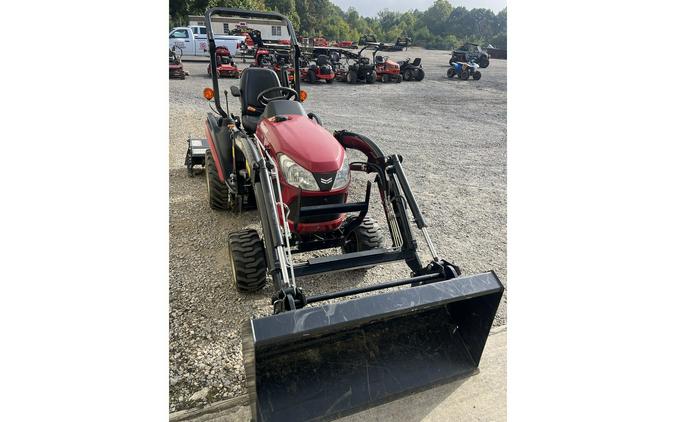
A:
221	146
360	143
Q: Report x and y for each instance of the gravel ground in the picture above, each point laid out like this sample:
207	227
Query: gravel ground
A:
452	135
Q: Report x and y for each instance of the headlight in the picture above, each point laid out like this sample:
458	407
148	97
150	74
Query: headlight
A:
296	175
342	176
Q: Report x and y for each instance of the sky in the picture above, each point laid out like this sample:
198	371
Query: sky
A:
371	7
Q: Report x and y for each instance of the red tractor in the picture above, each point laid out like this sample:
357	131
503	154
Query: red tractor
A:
226	67
308	363
386	70
318	70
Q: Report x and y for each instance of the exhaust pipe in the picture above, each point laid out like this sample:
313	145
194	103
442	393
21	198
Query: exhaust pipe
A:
320	363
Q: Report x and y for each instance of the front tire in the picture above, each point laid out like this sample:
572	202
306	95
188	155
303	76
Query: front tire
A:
476	75
451	72
247	260
311	77
407	75
370	78
217	191
368	235
385	78
464	75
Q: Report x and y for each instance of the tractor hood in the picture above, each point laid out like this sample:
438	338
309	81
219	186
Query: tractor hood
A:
304	141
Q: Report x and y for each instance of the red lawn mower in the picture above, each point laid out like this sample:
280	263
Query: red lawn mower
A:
226	65
386	70
314	361
318	70
176	70
263	58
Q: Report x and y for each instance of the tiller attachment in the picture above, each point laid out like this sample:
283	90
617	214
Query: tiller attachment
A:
323	362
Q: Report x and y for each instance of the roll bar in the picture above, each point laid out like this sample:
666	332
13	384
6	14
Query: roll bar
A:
226	11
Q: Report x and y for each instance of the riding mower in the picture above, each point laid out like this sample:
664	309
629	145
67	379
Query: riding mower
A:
411	71
263	58
318	70
312	360
175	64
226	65
386	70
464	70
357	68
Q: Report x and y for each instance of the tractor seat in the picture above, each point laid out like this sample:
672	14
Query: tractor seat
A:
379	59
322	60
417	61
254	80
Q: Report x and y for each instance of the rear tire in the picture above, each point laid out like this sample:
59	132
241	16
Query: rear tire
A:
217	191
311	76
370	78
476	75
368	235
464	75
484	62
419	75
247	260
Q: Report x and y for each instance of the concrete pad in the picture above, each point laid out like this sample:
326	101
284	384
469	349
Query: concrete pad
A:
481	397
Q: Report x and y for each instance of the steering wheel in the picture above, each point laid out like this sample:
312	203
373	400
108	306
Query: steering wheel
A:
286	94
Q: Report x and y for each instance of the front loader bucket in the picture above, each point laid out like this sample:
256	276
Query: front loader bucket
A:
323	362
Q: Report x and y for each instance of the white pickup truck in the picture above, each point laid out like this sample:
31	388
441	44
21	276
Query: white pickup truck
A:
192	40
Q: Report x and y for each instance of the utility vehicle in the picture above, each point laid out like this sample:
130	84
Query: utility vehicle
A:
470	52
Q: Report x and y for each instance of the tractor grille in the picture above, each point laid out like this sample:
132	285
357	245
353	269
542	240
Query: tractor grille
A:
308	201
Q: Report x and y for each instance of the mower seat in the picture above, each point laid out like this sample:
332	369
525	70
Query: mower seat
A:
254	80
417	61
379	59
